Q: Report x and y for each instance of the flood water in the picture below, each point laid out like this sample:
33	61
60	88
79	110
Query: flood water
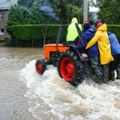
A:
26	95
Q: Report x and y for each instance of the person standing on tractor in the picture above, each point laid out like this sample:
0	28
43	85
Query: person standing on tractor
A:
93	52
101	38
74	32
115	48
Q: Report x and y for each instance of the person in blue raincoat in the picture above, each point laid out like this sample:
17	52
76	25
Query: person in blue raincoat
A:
115	48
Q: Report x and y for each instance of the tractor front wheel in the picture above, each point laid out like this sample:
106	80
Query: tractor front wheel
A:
40	66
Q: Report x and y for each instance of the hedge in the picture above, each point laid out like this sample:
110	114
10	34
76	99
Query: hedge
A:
37	32
46	33
115	29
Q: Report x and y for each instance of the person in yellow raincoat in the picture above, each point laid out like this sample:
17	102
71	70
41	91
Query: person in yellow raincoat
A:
101	38
74	31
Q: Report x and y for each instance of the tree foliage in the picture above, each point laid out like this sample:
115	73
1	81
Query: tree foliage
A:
17	15
22	15
63	10
45	12
67	9
39	17
25	3
109	11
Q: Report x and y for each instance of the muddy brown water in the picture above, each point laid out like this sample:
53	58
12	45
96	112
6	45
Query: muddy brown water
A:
13	104
26	95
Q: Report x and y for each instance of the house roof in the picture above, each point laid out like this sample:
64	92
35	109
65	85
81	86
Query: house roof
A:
5	4
4	9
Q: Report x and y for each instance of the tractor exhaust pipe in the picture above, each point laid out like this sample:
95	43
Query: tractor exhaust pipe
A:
59	36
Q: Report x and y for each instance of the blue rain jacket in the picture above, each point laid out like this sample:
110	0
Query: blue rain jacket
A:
86	37
115	46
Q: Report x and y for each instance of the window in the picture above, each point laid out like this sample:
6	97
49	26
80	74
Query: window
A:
1	31
1	17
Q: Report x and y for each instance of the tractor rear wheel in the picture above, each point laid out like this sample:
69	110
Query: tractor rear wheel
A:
70	68
40	66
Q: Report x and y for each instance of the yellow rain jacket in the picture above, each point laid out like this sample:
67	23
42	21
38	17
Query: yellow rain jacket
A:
72	30
102	40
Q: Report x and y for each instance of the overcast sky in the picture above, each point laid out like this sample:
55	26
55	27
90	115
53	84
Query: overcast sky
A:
7	3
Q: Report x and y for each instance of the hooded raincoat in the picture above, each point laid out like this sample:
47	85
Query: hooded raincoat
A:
72	30
86	36
115	46
101	38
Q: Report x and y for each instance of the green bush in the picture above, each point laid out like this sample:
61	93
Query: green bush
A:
44	32
115	29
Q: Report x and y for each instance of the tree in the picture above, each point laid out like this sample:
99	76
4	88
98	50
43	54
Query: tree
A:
17	15
39	11
67	9
109	11
38	16
74	11
25	3
45	11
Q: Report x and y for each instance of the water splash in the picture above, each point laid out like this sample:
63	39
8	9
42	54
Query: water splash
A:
50	97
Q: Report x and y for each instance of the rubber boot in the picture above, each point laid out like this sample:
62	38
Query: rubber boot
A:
100	78
118	73
106	73
112	75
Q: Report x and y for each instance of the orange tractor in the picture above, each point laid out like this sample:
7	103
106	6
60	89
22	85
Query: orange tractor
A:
69	61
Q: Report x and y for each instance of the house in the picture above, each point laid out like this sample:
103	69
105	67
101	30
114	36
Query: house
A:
4	10
3	19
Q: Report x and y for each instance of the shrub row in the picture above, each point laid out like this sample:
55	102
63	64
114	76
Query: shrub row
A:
47	33
115	29
37	32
